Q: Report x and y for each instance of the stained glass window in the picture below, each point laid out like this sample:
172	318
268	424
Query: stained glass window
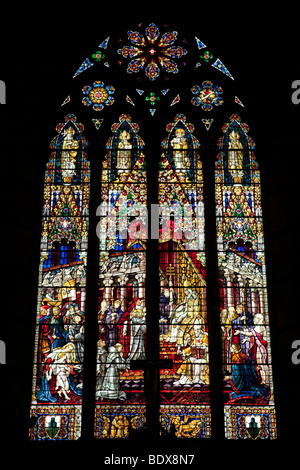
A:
60	319
117	112
244	316
182	272
122	230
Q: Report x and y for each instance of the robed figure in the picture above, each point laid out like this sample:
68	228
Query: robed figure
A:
245	379
137	333
111	382
111	324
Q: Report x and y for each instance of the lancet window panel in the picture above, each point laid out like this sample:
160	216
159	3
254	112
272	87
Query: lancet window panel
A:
244	316
57	385
182	270
122	313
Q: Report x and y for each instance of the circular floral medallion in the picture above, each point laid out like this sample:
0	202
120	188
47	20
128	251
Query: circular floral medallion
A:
98	95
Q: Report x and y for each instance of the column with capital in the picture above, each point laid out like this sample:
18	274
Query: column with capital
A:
254	299
107	290
261	296
141	277
229	288
123	280
241	288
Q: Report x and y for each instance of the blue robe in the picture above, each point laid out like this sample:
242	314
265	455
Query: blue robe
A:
246	380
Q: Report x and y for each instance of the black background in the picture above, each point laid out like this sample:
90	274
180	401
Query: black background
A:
40	51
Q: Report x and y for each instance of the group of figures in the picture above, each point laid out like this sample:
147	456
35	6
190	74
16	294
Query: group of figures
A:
245	357
183	336
121	340
244	314
61	348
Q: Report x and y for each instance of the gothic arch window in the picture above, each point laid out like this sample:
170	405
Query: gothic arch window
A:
153	103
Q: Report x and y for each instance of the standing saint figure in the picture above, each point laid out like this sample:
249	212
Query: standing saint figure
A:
235	157
180	147
124	153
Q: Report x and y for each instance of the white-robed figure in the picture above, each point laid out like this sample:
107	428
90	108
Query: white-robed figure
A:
137	333
199	354
111	383
101	364
183	318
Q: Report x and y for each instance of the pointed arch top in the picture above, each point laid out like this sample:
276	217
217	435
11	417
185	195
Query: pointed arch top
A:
180	150
68	161
235	129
